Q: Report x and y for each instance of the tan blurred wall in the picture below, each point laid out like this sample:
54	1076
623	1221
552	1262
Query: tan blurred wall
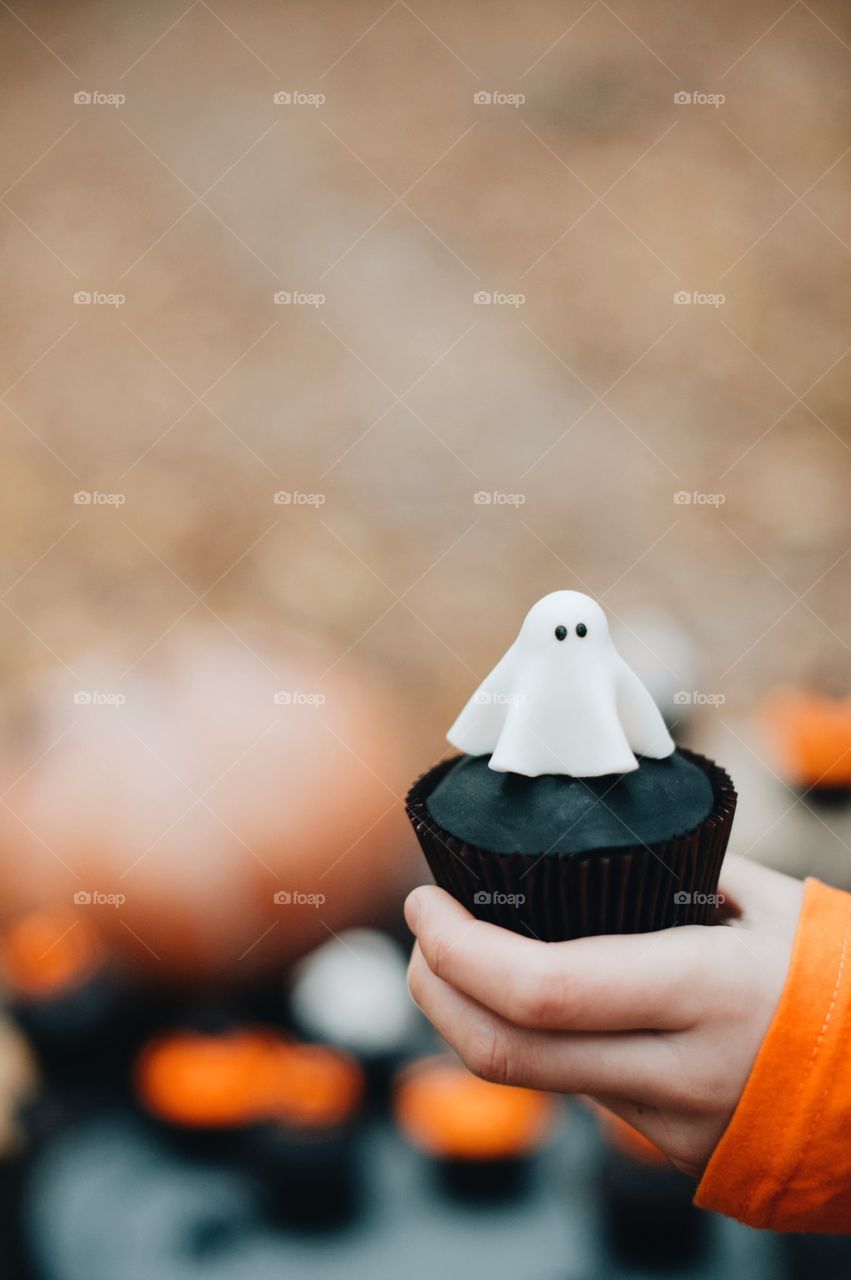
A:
399	398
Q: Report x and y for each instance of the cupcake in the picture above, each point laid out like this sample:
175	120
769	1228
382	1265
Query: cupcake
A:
363	1007
19	1096
650	1221
205	1089
481	1137
306	1152
286	1112
68	997
809	738
571	811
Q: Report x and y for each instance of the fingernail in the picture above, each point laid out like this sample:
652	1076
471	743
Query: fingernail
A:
412	910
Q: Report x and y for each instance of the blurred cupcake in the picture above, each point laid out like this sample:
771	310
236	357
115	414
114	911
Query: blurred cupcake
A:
206	1088
809	737
284	1111
19	1092
571	811
650	1220
65	992
352	992
481	1136
304	1150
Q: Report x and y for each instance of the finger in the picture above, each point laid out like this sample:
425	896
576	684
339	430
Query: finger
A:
620	982
628	1065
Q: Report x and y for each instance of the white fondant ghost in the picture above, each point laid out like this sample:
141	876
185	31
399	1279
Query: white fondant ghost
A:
562	699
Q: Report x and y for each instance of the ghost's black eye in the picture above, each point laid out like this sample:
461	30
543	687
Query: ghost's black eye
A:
561	633
581	629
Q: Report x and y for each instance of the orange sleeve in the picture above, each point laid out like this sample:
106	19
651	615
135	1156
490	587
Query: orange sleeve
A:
784	1161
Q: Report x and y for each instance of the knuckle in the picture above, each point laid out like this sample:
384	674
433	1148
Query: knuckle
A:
685	996
436	950
691	1090
539	997
487	1053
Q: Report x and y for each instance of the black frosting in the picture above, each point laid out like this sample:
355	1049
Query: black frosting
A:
510	813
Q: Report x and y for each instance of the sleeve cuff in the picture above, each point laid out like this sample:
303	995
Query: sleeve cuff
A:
784	1161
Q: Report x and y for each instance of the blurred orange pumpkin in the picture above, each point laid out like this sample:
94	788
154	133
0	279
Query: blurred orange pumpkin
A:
219	807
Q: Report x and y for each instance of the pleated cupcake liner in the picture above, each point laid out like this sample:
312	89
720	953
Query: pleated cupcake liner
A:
555	896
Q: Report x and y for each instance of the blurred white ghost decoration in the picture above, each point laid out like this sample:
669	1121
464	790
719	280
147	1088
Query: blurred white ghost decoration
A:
562	700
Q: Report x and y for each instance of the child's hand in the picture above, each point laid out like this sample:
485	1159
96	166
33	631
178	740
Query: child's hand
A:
662	1028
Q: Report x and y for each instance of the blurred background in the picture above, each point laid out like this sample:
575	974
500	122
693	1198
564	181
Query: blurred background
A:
333	336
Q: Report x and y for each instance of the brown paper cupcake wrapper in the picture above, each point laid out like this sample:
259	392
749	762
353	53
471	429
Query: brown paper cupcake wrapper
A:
553	897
